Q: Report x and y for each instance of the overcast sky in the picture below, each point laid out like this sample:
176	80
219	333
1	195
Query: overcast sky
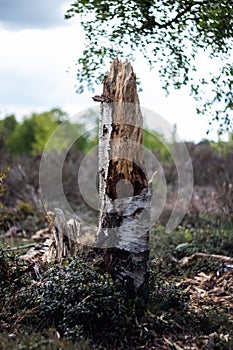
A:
39	50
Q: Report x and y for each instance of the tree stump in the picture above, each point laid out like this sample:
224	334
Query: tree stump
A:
123	185
124	191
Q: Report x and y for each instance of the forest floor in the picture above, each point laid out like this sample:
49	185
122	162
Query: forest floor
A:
191	293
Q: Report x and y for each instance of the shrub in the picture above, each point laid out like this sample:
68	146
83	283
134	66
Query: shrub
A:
78	300
12	280
75	299
25	208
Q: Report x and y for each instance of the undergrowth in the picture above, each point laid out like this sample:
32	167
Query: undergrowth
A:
74	305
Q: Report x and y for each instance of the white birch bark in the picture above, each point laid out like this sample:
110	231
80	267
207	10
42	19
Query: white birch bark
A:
123	184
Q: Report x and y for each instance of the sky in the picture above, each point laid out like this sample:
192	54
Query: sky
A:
39	50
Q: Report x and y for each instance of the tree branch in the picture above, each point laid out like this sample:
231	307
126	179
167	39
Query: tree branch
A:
175	20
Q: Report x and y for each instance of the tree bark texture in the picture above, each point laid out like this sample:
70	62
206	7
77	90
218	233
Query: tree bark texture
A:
123	185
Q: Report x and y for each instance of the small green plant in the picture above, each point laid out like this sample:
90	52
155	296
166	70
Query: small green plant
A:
25	208
166	296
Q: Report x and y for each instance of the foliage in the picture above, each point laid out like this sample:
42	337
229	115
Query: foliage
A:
156	143
67	132
75	299
171	33
7	126
3	174
87	141
78	300
25	208
165	296
31	136
218	160
12	279
224	147
209	235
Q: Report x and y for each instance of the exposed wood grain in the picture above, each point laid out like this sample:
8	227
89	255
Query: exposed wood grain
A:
124	191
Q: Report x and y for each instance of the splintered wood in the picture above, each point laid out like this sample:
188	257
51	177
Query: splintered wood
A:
123	123
124	191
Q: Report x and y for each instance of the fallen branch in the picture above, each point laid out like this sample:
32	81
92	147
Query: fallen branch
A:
184	261
25	246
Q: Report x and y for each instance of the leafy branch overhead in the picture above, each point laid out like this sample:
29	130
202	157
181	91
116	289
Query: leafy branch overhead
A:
171	33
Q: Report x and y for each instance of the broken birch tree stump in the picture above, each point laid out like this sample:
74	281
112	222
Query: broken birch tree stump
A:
123	185
124	191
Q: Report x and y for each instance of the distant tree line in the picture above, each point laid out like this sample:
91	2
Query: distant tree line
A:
31	135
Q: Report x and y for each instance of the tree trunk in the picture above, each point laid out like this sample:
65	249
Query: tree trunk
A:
123	185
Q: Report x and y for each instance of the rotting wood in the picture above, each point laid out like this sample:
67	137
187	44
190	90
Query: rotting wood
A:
67	237
66	234
124	190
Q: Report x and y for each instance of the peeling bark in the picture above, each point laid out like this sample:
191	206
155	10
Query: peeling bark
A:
124	191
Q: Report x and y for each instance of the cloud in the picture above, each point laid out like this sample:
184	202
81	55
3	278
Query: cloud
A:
33	14
33	70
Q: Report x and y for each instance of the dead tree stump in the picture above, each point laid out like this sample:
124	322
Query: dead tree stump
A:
123	185
124	191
